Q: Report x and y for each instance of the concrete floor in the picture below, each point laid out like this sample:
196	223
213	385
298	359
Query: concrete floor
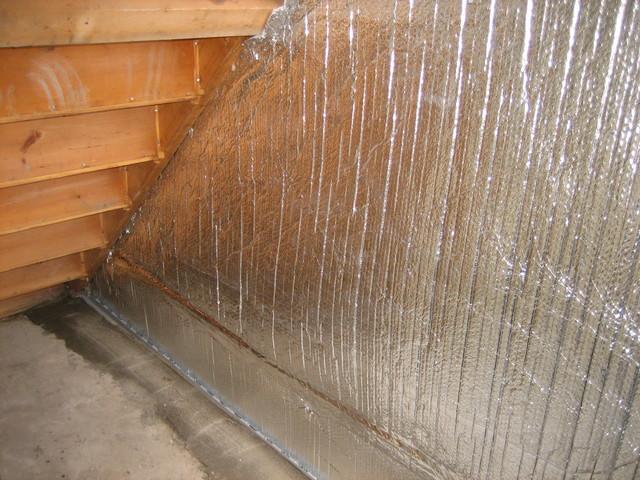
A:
80	399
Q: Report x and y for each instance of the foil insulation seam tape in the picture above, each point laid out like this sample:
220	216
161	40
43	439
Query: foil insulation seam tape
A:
428	212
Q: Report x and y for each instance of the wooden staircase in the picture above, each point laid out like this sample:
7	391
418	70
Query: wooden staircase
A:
95	97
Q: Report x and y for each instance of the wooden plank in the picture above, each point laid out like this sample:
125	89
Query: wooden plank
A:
40	275
46	22
55	147
58	200
51	241
11	306
42	82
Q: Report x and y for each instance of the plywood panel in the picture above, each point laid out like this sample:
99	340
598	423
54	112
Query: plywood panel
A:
55	147
51	201
39	82
40	275
51	241
43	22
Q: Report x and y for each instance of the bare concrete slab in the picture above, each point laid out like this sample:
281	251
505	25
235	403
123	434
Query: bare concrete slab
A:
79	399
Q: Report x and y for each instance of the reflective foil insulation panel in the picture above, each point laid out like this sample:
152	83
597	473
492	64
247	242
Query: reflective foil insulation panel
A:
402	240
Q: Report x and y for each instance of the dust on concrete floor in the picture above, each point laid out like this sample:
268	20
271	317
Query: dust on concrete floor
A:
80	399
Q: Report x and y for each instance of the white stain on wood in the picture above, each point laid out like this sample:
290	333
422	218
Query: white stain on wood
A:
59	81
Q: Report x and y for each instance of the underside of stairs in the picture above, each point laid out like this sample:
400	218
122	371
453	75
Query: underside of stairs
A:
95	98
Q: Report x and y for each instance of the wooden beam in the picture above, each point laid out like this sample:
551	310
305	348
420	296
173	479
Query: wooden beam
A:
43	82
56	147
51	241
40	275
52	201
11	306
46	22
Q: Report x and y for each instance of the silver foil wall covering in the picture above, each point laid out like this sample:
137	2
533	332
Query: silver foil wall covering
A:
414	227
